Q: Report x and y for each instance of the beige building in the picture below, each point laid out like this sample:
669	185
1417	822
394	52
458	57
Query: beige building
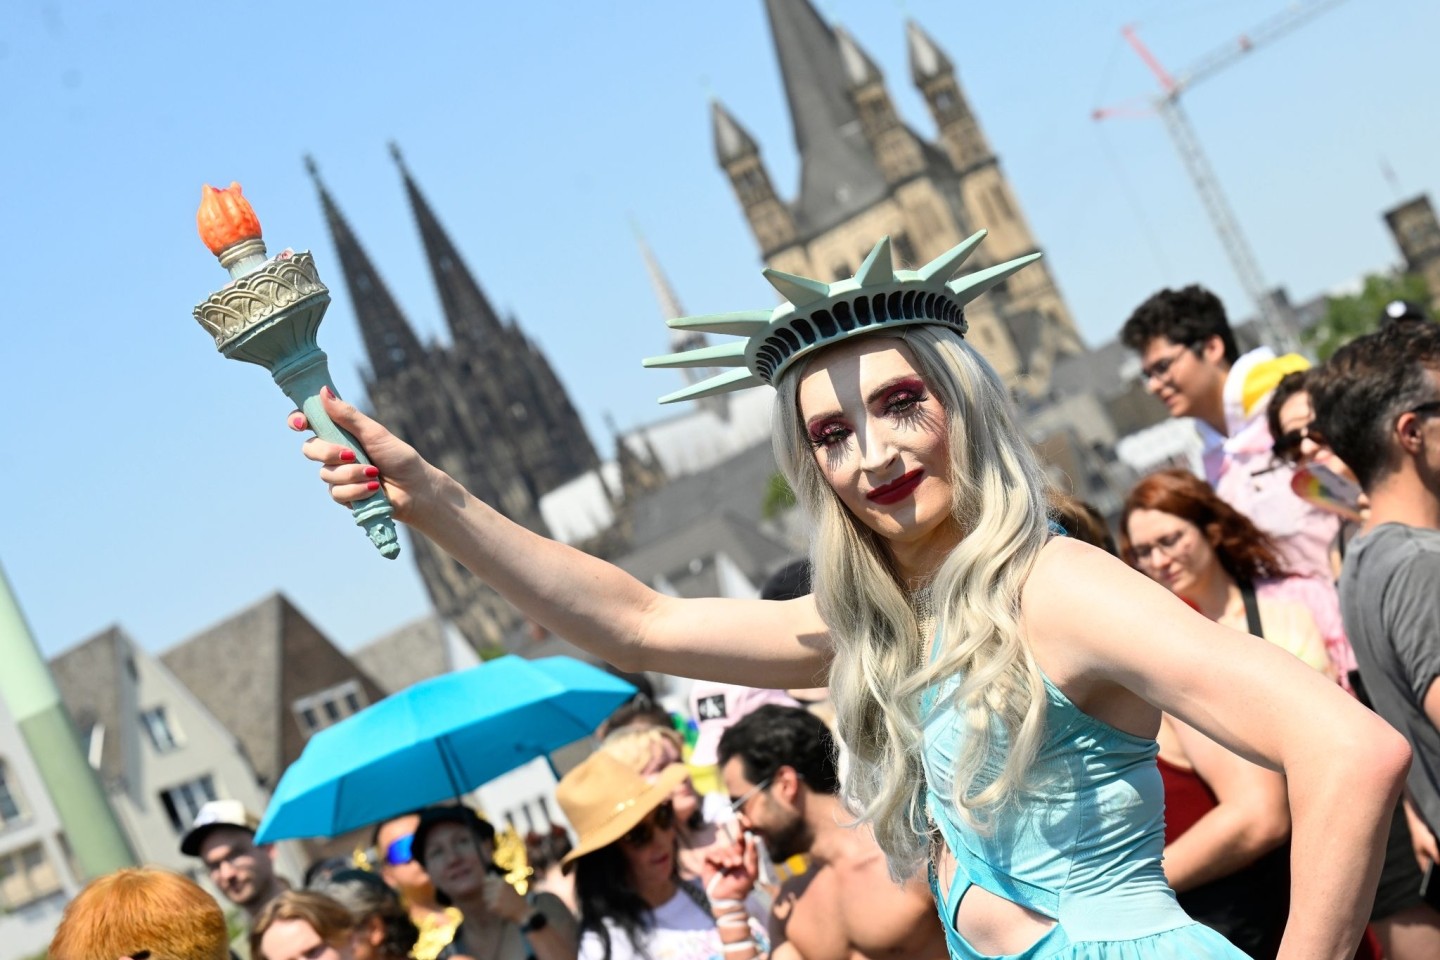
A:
159	752
866	173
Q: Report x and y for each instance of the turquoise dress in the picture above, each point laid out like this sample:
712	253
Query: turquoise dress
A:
1082	845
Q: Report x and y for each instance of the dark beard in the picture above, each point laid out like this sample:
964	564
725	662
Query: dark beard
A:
785	842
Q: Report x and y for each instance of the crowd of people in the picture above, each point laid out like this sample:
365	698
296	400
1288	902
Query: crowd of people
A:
1009	727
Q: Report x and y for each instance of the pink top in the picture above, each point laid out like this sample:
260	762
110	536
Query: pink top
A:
1242	470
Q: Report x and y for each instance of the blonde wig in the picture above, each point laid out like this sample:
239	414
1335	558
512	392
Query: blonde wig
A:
880	668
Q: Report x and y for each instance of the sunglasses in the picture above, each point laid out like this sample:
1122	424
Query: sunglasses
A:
737	806
1288	444
643	832
401	851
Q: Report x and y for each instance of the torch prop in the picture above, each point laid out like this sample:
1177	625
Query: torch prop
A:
269	314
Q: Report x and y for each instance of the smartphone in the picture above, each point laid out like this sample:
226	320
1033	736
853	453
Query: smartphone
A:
1318	484
1430	886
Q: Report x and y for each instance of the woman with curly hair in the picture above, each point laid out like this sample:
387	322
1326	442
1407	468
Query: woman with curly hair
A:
997	686
1226	819
1178	532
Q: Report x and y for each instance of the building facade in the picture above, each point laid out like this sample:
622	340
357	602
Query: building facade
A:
159	752
864	173
1417	233
38	875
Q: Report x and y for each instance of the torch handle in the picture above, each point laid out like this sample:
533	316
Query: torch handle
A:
302	379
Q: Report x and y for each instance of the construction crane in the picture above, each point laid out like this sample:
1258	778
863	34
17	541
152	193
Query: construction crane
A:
1274	326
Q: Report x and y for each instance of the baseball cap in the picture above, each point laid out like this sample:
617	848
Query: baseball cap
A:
717	707
217	813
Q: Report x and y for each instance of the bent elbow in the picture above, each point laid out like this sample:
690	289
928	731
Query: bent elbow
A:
1269	832
1386	753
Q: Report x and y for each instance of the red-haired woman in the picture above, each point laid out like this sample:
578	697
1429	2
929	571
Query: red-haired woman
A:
1226	819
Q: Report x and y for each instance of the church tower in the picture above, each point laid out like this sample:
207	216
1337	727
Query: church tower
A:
985	191
864	172
488	409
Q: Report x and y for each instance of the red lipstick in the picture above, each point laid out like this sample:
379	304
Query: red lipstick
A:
896	490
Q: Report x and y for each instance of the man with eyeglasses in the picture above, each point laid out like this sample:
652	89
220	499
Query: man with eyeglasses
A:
778	764
1378	403
1190	361
393	841
223	837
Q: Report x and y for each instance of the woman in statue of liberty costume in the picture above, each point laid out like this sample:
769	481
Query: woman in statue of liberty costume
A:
998	686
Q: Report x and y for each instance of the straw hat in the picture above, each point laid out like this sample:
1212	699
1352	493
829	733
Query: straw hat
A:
604	799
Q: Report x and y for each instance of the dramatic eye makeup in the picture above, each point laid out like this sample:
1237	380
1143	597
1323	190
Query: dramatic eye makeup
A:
900	397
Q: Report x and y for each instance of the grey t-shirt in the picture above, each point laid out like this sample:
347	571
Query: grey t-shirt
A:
1390	600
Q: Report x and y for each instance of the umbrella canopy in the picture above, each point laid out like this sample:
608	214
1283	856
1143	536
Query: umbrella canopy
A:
437	740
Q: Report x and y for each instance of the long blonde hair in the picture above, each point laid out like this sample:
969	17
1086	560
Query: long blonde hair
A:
879	669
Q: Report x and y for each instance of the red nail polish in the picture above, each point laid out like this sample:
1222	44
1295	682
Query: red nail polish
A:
372	485
297	422
347	455
327	392
372	471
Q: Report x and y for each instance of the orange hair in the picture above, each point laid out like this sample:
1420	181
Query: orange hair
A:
136	910
326	916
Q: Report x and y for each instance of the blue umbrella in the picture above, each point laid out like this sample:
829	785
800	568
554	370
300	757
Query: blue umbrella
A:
437	740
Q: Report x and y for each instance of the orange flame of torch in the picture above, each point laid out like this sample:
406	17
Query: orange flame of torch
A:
225	218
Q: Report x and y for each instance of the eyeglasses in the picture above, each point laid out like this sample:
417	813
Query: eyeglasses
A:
1160	368
1426	409
1288	446
401	851
643	832
1144	552
738	806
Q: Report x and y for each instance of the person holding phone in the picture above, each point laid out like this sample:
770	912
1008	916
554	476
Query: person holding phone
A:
1377	402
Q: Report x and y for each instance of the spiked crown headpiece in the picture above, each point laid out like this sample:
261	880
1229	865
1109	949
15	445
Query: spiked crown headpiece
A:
817	314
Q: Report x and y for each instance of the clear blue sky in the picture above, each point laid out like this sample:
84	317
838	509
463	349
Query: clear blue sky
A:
149	482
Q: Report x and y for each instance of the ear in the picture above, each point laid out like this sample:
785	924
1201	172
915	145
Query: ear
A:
787	784
375	931
1407	433
1211	532
1213	350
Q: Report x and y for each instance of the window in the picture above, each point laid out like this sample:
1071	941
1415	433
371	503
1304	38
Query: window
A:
26	875
10	808
183	802
326	707
156	722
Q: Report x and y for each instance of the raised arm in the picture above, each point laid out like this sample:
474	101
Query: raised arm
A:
1105	629
589	602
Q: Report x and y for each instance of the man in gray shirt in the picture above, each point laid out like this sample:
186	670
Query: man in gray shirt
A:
1377	404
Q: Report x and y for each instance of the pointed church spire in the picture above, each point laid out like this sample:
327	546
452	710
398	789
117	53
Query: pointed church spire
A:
732	141
467	311
739	157
859	68
934	74
681	339
838	173
927	60
389	340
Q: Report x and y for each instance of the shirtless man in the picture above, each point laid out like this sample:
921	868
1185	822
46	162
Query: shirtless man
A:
778	765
